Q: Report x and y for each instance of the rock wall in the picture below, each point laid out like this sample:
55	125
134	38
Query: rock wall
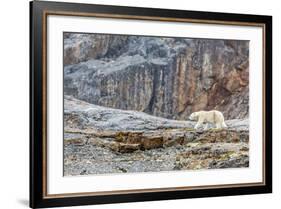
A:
166	77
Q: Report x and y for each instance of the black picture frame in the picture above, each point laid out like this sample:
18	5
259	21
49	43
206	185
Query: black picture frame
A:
38	12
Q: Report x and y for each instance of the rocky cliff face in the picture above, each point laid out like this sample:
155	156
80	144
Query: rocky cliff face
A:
166	77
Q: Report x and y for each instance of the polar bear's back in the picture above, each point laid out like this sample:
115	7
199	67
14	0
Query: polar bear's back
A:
217	113
212	116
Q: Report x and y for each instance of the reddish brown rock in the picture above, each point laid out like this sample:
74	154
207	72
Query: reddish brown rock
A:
165	77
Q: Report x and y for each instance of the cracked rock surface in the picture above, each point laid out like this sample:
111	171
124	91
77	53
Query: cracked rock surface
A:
129	141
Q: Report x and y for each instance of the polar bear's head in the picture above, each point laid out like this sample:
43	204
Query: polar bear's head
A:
194	116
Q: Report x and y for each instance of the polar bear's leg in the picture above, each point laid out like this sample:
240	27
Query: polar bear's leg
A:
199	123
224	125
206	127
218	125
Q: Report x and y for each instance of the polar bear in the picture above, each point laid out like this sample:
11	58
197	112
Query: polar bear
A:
213	116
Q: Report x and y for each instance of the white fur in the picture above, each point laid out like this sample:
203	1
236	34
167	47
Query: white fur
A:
215	117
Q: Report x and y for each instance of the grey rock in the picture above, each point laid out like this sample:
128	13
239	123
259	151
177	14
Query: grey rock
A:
83	115
165	77
100	140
